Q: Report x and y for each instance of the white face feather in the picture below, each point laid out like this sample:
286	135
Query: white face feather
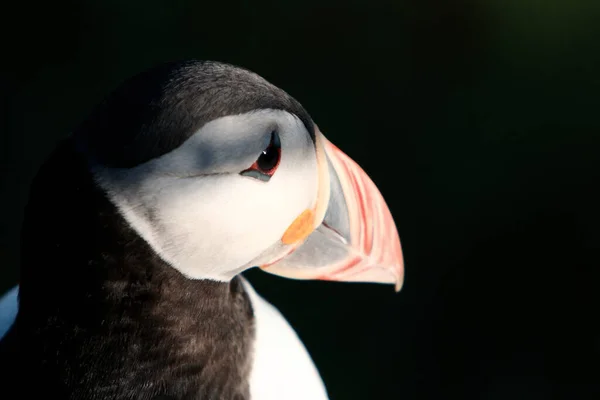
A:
198	213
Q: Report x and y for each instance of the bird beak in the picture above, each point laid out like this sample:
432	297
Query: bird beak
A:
348	235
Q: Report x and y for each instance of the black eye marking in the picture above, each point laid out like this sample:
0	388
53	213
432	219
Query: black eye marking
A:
266	164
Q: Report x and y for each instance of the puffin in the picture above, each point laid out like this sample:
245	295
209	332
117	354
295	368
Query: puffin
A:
140	225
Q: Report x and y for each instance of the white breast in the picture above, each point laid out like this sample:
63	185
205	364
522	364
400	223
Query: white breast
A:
9	306
282	369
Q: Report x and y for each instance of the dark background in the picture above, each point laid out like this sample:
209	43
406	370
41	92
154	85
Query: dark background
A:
478	120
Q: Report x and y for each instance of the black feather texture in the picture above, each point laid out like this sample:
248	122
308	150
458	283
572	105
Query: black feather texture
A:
157	110
103	317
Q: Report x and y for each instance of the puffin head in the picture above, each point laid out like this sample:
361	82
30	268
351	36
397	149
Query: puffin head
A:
220	171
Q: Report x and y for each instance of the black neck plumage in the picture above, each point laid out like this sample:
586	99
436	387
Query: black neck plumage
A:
103	317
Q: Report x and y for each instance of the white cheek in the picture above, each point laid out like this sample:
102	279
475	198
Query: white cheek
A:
216	224
210	226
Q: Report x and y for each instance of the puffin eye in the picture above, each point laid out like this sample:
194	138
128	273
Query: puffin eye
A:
266	164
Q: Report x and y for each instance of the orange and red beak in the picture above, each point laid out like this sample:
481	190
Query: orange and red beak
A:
348	235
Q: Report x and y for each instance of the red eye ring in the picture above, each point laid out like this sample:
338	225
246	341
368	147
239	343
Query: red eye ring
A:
266	164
